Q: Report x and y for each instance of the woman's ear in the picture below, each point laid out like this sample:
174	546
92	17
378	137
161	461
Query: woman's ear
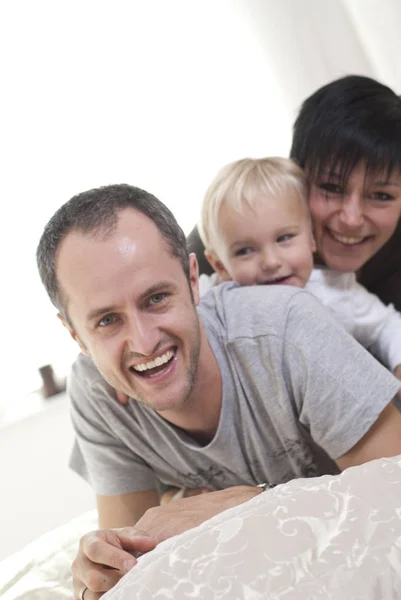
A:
217	265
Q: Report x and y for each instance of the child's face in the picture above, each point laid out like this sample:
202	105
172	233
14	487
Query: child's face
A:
271	243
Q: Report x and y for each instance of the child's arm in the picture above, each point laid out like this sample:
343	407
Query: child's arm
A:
378	328
373	324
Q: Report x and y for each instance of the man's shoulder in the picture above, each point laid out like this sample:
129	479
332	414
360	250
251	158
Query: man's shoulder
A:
84	367
253	310
84	376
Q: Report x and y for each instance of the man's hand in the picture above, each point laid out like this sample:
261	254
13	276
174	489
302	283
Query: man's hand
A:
175	493
163	522
121	397
104	557
397	372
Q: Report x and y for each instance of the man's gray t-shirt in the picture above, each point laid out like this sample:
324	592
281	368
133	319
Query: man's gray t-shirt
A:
298	392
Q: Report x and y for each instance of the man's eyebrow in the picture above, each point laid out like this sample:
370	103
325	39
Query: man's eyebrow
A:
98	312
162	286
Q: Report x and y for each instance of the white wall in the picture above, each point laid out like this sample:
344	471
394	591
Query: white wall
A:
377	24
38	490
309	43
157	94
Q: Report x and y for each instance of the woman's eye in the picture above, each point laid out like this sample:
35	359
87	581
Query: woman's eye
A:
382	196
244	251
107	321
285	237
330	188
157	298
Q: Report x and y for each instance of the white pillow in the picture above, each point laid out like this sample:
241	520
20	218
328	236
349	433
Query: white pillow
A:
322	538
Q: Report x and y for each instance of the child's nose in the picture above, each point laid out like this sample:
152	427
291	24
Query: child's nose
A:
270	261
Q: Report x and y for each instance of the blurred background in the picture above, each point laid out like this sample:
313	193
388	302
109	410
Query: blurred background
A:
157	94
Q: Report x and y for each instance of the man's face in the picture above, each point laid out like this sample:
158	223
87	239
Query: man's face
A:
132	310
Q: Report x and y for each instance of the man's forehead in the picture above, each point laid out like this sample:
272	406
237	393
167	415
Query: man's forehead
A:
135	243
101	281
130	227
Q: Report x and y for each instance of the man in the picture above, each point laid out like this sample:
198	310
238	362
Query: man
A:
259	384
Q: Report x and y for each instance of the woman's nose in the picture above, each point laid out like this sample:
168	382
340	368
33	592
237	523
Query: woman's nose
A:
351	213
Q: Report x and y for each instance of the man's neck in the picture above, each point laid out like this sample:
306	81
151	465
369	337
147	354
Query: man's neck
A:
200	416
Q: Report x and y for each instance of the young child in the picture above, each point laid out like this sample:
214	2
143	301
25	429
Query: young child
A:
256	229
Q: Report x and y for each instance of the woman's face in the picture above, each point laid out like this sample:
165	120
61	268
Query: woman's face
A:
352	222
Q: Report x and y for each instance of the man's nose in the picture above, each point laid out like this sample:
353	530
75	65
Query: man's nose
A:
351	213
142	334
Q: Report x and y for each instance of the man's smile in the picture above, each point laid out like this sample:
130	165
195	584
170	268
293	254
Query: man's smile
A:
156	366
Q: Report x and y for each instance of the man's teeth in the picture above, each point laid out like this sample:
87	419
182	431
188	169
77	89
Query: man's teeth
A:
157	362
347	240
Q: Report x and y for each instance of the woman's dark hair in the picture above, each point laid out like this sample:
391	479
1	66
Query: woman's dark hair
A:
348	120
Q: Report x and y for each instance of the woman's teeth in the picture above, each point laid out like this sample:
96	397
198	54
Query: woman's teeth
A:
346	239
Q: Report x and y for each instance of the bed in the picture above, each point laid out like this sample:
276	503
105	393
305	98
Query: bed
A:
41	571
335	538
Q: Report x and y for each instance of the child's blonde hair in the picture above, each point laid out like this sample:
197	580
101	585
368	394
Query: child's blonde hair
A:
243	182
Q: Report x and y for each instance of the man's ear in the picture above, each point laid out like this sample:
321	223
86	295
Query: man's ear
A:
194	277
217	265
73	334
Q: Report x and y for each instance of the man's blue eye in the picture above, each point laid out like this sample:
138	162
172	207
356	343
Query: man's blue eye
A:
106	321
157	298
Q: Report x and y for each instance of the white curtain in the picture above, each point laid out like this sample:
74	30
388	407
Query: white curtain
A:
311	42
157	94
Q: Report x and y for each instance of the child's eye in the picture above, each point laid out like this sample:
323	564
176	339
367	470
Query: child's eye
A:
285	237
244	251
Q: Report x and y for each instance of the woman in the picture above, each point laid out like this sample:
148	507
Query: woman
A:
347	137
